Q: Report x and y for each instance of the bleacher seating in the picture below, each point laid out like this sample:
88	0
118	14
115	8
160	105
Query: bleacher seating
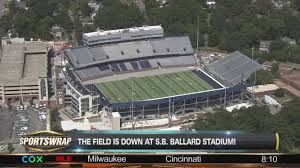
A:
103	67
115	67
102	70
135	65
145	64
123	67
128	66
177	61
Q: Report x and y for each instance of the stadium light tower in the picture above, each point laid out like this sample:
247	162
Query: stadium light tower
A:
197	35
132	104
254	83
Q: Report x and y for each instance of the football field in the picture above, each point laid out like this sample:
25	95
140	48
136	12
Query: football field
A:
151	87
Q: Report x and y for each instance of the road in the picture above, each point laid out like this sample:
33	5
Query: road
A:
287	87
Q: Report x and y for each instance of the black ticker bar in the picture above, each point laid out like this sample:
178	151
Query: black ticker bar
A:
56	159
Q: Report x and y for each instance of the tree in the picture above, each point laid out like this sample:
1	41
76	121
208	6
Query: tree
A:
84	7
219	120
179	18
258	119
262	77
10	147
55	121
43	28
275	68
263	6
115	15
88	28
279	93
213	39
278	45
297	3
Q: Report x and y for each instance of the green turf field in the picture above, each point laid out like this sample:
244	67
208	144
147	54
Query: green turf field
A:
152	87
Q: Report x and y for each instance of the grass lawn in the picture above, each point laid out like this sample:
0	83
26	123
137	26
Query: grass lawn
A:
151	87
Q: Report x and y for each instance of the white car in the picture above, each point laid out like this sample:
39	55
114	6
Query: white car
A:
2	148
24	128
43	117
42	113
18	108
25	107
22	133
24	119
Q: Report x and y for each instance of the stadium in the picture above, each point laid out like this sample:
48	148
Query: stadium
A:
152	78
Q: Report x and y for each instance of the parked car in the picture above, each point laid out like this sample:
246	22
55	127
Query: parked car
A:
42	117
21	133
23	128
24	119
2	148
42	113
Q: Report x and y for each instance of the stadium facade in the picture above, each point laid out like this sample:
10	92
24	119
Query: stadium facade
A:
95	75
23	70
122	35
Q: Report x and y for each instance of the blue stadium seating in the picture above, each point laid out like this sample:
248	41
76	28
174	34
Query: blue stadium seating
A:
135	65
103	67
123	67
145	64
115	67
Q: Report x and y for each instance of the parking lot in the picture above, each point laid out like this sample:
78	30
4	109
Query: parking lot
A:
21	120
7	118
28	119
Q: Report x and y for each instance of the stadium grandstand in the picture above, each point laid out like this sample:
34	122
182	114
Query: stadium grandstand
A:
234	68
101	61
152	78
122	35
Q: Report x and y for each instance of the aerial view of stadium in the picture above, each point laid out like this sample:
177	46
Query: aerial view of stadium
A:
152	87
156	76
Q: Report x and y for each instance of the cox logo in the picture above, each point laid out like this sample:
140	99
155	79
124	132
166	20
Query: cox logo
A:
32	159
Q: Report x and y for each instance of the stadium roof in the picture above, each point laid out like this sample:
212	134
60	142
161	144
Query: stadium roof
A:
234	67
85	56
23	62
120	31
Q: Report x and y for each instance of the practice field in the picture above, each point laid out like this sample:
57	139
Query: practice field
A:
151	87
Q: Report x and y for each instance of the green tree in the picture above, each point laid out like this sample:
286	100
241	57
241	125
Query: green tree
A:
115	15
84	8
55	121
262	77
275	68
279	93
43	28
213	39
89	28
258	119
10	147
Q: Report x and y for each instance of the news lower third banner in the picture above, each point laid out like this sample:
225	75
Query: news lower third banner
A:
73	159
93	141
